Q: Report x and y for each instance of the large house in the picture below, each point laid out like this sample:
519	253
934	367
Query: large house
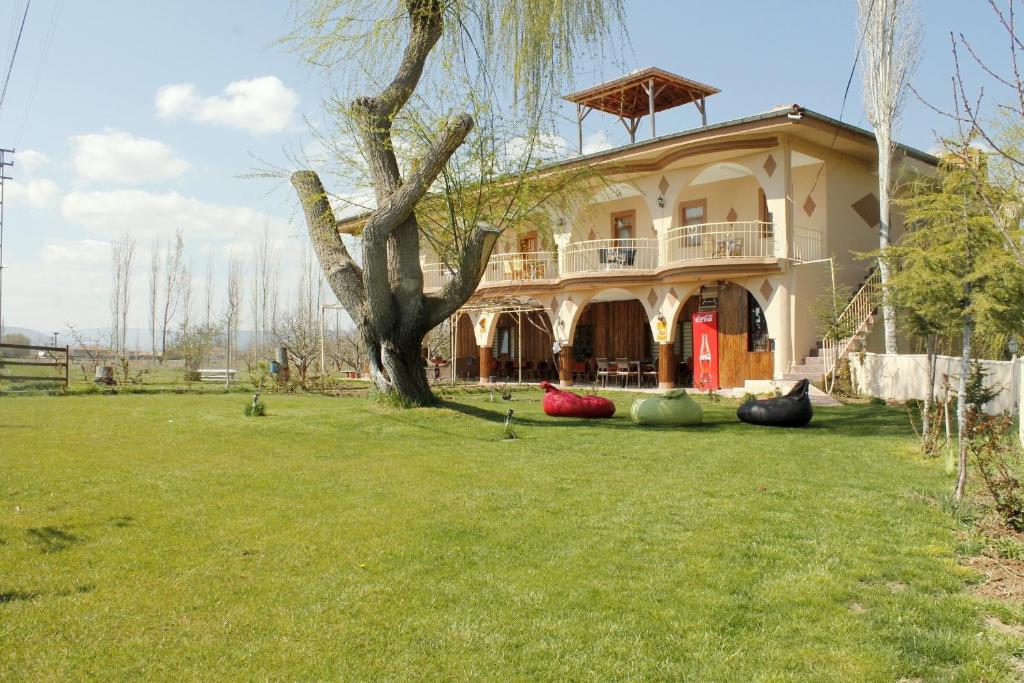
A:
698	262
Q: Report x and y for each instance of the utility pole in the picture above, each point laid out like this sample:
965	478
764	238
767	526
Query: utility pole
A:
4	163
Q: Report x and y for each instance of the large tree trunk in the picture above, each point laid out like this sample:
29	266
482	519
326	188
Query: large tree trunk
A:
961	408
384	294
884	166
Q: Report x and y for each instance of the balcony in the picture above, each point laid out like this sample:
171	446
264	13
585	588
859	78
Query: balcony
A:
523	267
756	242
602	256
720	241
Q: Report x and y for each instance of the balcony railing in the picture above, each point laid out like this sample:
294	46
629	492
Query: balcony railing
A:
599	256
720	241
708	241
435	275
521	267
806	244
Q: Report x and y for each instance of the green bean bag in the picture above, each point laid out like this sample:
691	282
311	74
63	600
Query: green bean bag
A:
674	408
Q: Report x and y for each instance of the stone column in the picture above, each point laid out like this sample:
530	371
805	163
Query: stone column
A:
486	364
666	366
565	363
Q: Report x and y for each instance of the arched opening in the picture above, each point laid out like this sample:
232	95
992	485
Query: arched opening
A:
742	342
613	344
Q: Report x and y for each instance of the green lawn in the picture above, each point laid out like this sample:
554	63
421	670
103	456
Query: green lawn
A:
168	537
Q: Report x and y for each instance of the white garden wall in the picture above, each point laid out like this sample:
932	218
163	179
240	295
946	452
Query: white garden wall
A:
905	376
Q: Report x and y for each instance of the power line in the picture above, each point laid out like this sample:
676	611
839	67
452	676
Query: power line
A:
14	53
44	55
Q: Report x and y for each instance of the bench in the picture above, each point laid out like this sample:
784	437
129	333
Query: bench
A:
216	374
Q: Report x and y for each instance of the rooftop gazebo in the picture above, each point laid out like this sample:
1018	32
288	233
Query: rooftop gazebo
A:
640	93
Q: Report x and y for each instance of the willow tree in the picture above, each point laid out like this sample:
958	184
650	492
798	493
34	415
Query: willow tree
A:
454	101
890	40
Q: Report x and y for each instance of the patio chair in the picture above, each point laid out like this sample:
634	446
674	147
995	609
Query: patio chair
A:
603	371
628	257
649	372
623	372
579	370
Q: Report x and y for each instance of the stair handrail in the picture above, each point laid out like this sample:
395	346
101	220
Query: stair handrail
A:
860	309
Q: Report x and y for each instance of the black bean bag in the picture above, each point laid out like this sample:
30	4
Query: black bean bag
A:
791	410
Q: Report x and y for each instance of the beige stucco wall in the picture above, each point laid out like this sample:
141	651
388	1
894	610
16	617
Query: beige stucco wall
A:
598	218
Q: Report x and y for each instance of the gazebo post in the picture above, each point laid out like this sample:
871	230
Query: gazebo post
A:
650	103
579	126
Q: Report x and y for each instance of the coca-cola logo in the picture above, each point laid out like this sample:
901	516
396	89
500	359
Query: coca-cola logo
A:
704	317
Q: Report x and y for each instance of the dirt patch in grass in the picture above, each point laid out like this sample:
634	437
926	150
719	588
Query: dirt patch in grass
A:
1004	577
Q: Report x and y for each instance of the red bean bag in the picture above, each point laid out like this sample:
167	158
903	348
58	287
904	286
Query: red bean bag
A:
558	403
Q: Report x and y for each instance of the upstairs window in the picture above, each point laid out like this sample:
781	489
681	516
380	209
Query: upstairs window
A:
692	217
528	243
623	224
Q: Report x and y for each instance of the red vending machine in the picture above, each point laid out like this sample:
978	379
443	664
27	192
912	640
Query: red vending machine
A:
705	350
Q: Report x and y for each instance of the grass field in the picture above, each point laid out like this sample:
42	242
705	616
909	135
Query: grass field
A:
168	537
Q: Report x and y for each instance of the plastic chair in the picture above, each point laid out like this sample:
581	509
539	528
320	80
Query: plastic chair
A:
603	371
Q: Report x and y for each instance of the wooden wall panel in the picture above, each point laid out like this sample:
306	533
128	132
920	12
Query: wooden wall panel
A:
735	363
620	329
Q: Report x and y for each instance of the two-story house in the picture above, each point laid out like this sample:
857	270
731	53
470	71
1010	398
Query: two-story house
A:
697	261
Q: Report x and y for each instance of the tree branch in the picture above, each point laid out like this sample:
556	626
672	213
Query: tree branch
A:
342	272
396	208
472	262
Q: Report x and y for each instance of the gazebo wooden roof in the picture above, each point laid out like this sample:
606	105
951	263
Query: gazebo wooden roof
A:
640	93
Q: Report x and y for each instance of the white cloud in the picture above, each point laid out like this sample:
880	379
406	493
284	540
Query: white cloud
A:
119	157
65	281
258	105
147	214
597	142
37	194
30	160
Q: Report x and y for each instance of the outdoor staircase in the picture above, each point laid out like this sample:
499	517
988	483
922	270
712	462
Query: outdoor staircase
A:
852	326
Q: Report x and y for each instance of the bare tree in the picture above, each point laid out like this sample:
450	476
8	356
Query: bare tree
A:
122	251
891	37
234	303
186	295
173	273
494	52
1000	128
263	294
154	292
298	331
208	292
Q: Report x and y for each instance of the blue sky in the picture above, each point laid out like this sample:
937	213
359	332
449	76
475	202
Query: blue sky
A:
146	114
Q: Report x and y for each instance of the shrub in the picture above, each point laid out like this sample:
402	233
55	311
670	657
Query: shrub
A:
1000	465
876	401
748	398
257	408
192	376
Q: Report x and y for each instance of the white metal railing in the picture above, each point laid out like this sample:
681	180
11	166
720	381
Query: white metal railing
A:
521	267
742	239
598	256
852	322
435	276
806	244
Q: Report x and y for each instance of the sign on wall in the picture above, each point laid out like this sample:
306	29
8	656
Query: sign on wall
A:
705	350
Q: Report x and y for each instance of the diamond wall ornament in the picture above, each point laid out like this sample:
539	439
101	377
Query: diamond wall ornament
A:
672	293
809	205
766	290
591	235
867	208
652	298
770	165
663	185
732	215
554	304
